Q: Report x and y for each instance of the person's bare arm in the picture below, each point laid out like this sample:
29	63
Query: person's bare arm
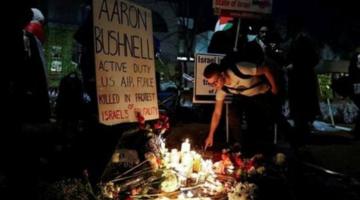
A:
269	75
215	119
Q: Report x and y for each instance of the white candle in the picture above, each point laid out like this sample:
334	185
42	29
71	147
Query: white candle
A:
189	194
162	144
174	157
185	146
197	163
187	163
208	165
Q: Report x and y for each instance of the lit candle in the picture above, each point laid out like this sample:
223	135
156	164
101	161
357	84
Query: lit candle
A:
197	163
166	159
207	167
187	163
189	194
181	196
185	146
202	177
174	157
162	144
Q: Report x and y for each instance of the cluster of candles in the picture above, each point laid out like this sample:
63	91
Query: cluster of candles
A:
187	173
191	169
185	161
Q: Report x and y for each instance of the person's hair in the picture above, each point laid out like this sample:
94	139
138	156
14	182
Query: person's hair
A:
212	69
37	15
23	17
229	60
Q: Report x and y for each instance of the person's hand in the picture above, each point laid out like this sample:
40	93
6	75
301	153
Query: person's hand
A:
274	90
209	142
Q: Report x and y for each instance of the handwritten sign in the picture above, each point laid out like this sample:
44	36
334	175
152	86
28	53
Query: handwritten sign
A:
124	58
242	8
203	92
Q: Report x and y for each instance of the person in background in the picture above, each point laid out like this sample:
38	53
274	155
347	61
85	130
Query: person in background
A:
252	85
269	40
84	36
26	103
36	25
303	85
263	33
34	84
254	35
354	76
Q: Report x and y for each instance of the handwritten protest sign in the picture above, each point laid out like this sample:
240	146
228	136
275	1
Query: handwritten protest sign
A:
124	59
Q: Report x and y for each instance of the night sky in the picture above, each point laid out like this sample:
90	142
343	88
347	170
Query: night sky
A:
333	22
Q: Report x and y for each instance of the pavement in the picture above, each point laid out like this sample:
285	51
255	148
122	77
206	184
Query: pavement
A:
336	150
326	167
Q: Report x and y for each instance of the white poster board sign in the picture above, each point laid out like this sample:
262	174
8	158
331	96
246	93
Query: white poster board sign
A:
242	8
203	92
124	60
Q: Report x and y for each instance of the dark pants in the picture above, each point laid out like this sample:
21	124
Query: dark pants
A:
251	120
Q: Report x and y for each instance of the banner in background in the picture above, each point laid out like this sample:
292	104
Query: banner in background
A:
242	8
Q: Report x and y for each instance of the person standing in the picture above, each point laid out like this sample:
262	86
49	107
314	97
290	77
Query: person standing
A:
84	36
27	106
303	86
354	76
36	25
252	85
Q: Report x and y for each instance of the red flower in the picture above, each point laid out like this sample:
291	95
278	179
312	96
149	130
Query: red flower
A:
164	118
158	125
249	164
162	123
128	198
239	161
167	125
141	120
